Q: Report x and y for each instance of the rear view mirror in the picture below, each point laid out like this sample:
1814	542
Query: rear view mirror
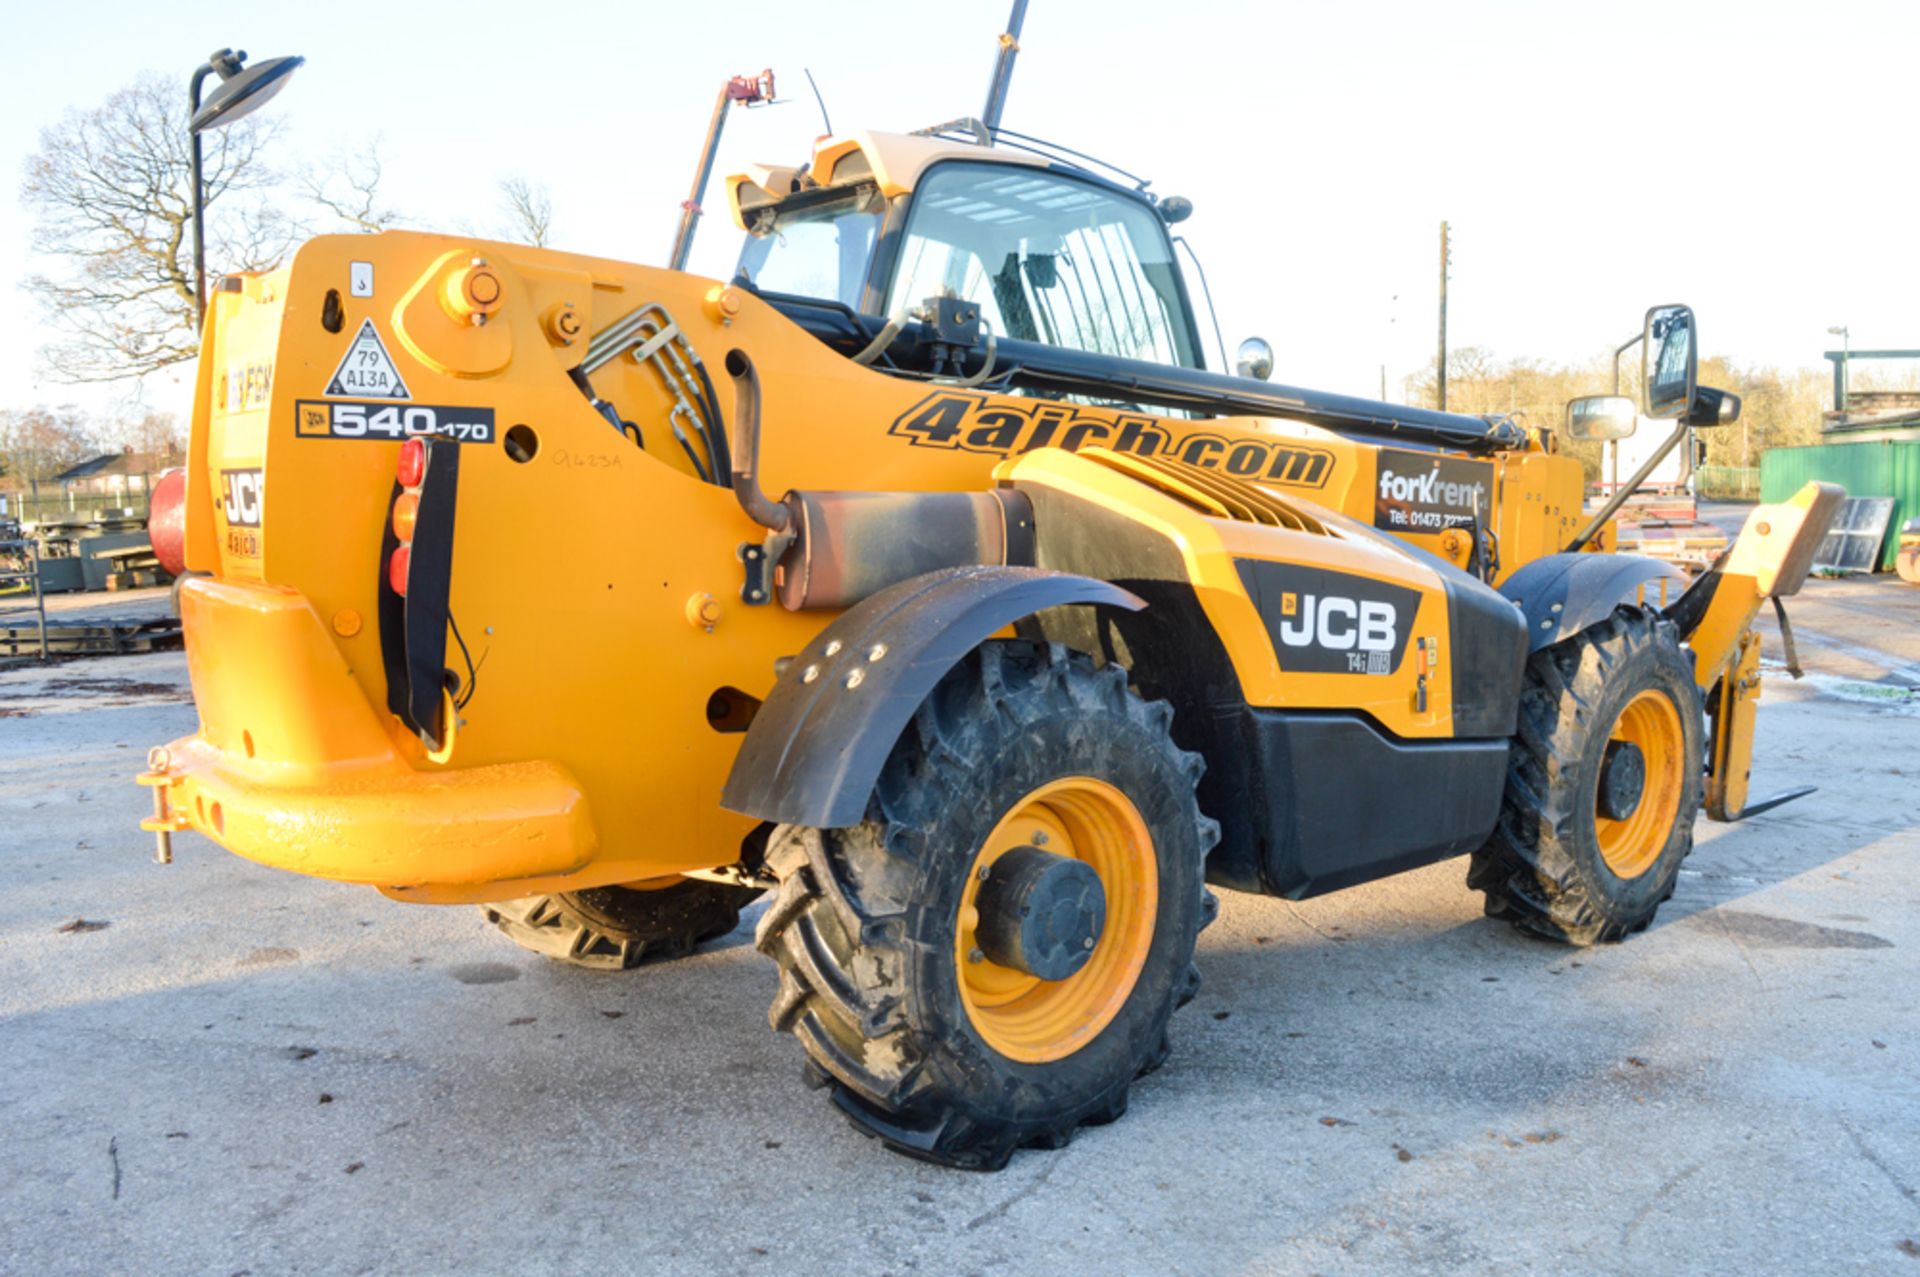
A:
1602	417
1672	355
1254	359
1713	407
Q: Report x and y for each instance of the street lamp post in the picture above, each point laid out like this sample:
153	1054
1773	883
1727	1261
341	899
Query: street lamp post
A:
242	90
1846	357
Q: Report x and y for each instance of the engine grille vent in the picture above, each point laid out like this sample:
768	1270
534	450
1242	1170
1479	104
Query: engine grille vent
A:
1210	491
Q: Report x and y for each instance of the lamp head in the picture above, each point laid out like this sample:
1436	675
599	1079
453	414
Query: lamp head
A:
242	89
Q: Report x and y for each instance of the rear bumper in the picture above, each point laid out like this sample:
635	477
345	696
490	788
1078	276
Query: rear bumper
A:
294	768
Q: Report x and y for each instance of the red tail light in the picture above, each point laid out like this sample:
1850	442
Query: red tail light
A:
406	509
413	463
397	569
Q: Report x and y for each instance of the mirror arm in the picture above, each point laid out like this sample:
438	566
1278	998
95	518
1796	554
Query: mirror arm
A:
1627	489
1620	350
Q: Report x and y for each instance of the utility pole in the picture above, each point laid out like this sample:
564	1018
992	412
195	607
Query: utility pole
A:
1840	369
1442	365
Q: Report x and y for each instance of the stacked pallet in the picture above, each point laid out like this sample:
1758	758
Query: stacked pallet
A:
104	639
134	567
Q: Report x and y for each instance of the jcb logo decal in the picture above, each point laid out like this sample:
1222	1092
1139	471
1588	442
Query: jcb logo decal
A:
1330	622
1366	629
240	495
974	423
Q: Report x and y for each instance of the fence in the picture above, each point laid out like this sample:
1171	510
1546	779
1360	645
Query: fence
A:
63	505
1876	468
20	595
1727	483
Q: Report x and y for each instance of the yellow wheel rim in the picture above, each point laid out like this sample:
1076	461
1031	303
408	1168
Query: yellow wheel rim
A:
1036	1021
1629	847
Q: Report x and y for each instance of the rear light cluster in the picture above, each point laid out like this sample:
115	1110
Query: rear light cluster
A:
406	510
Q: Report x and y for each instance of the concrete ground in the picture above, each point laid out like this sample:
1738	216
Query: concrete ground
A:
247	1071
97	607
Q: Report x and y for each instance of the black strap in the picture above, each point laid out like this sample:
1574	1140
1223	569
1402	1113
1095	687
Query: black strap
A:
1786	638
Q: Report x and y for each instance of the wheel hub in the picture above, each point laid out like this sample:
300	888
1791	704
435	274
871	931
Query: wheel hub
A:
1041	913
1623	780
1025	1016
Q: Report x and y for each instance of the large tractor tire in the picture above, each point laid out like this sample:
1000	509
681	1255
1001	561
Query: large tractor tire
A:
614	928
1603	784
991	958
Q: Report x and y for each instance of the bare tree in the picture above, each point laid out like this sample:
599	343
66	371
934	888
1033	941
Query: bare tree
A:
529	211
146	432
111	190
38	443
347	186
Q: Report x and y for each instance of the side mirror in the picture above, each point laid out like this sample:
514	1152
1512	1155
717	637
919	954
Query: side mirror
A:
1713	407
1254	359
1602	417
1174	209
1672	361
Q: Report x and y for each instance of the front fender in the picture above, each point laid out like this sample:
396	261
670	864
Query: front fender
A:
1563	594
817	745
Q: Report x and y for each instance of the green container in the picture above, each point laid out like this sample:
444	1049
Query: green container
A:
1883	468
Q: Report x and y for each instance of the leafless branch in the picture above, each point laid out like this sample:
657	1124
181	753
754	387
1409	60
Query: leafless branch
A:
110	189
529	211
347	188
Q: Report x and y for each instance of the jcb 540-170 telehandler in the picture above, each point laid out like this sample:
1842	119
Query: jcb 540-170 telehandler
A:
922	578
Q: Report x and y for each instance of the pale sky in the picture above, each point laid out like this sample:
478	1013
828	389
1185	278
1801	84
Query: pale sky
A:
1747	158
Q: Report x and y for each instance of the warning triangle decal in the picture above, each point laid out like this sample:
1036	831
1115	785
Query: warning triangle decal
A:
367	372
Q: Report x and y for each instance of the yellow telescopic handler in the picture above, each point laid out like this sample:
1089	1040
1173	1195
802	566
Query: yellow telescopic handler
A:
922	578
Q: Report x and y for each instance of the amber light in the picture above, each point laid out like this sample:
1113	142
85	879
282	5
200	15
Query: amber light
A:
413	463
406	512
397	569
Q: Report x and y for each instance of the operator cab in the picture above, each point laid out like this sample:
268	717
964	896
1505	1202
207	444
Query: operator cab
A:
1048	252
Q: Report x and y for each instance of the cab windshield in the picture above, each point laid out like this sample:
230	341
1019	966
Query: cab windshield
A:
815	246
1048	258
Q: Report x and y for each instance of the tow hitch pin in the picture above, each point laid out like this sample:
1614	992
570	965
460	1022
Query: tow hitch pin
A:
158	761
162	838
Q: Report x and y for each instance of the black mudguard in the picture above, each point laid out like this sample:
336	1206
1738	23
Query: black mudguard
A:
818	743
1563	594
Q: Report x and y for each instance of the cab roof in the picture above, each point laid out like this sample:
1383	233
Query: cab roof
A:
892	161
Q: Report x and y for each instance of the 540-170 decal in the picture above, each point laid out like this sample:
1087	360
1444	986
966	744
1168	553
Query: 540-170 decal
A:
332	419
